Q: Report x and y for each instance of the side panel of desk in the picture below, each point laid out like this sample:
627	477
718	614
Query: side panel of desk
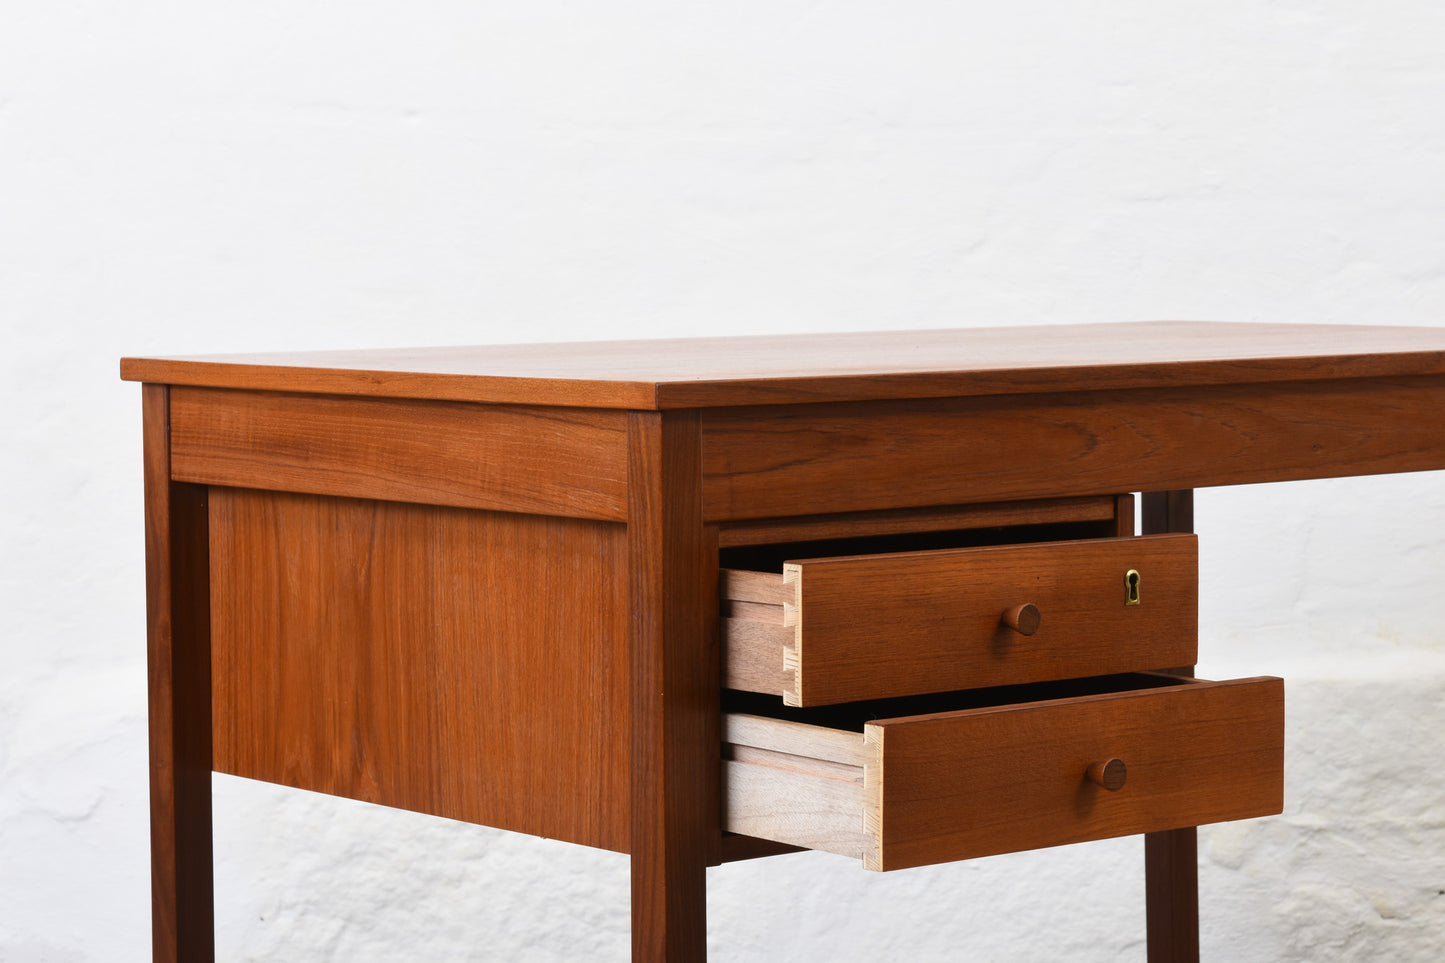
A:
466	657
462	663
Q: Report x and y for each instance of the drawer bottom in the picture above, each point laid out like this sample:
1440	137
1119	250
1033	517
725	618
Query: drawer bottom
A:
1010	770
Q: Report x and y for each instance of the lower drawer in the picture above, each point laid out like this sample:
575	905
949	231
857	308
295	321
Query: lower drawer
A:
1075	761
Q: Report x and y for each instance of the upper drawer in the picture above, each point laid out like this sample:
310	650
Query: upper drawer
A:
876	626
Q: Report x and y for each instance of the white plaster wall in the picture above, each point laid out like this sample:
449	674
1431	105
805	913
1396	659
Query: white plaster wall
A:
203	176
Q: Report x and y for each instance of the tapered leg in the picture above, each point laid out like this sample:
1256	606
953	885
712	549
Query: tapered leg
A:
675	726
1171	867
179	669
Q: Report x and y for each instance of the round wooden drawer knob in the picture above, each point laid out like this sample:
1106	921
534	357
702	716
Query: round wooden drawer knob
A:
1109	773
1023	619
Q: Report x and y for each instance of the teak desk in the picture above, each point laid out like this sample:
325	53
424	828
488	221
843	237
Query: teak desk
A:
647	596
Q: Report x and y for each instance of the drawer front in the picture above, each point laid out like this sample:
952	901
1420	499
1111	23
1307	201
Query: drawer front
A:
929	789
843	629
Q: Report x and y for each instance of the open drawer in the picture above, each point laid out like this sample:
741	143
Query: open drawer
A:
841	629
1090	759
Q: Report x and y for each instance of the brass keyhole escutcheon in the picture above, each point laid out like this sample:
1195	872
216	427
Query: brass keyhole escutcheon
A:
1131	587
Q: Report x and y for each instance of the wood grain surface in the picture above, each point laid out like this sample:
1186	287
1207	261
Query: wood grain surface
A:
1171	857
548	461
811	807
878	626
179	683
955	786
944	518
676	731
767	462
467	664
975	782
857	366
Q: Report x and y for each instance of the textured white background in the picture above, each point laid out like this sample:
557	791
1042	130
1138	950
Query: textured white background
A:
204	176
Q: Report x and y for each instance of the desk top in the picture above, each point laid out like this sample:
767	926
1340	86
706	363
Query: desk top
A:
799	368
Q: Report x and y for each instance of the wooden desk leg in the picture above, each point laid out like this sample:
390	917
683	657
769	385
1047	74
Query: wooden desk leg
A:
1171	867
1171	873
676	738
178	627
